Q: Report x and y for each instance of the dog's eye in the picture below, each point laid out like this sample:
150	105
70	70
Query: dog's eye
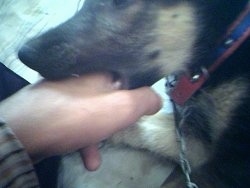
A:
121	3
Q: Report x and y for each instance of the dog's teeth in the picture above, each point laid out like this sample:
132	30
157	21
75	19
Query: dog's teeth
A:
75	75
117	84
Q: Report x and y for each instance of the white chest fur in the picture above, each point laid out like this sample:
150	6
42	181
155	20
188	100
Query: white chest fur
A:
121	168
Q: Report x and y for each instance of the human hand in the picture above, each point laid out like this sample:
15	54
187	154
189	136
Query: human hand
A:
53	118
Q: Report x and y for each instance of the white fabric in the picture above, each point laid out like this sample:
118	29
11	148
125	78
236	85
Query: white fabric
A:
23	19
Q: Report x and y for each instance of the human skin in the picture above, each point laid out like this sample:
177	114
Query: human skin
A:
57	117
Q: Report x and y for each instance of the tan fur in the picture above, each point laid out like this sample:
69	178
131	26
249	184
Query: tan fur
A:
175	30
225	104
157	134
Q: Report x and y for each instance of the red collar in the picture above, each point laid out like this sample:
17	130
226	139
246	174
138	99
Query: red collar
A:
187	85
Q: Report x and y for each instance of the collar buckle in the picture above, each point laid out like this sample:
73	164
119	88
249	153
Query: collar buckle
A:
186	86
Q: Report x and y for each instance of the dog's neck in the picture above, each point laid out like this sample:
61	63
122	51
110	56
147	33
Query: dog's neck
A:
188	83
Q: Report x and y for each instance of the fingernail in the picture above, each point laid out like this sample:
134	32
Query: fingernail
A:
156	103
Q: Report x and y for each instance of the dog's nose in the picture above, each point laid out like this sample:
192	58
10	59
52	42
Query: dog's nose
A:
28	56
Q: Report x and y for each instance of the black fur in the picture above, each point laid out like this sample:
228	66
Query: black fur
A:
230	165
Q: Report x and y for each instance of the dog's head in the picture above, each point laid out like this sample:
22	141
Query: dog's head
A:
139	41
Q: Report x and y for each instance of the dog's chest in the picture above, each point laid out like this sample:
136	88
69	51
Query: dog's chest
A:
121	168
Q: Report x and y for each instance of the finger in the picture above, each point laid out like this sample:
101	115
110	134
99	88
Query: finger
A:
82	86
97	118
101	81
134	103
91	157
115	111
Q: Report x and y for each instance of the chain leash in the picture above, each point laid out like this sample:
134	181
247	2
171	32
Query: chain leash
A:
179	122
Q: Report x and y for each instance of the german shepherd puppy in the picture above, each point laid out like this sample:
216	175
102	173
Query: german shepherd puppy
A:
141	41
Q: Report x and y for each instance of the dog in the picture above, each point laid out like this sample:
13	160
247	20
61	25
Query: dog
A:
141	41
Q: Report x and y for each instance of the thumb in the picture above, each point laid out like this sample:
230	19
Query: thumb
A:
91	157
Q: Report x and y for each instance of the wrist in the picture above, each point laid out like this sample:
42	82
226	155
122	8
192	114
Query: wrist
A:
15	160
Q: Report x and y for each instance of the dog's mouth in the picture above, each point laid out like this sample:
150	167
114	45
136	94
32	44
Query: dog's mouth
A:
119	81
127	76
